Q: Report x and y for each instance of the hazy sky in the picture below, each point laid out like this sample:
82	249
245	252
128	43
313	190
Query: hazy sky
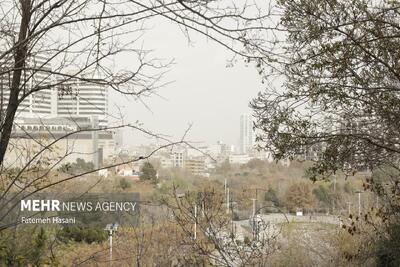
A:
204	92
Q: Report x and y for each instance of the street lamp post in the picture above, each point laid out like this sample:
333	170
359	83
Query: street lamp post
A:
334	191
111	228
254	206
227	200
195	222
255	199
225	185
349	210
359	202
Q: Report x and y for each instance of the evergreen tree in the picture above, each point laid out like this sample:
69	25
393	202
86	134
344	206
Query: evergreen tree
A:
148	173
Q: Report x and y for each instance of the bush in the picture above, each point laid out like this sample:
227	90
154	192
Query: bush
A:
271	196
322	194
124	184
148	173
388	248
348	188
82	234
77	167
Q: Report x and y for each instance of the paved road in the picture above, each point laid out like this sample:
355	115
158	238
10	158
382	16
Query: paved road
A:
281	218
272	220
272	228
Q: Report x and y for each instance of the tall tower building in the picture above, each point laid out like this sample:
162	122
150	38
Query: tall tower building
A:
78	98
37	75
246	134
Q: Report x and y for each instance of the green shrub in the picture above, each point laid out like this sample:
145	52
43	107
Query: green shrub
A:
82	234
124	184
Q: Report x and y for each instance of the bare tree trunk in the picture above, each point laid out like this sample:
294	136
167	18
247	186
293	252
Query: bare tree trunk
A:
19	62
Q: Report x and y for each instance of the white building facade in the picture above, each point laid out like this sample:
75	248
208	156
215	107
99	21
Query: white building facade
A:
38	104
83	98
246	134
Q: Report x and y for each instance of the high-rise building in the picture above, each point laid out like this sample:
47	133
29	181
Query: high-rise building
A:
73	98
83	98
246	134
52	108
36	75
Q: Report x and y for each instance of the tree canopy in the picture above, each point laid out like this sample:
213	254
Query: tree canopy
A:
148	173
339	92
341	89
299	195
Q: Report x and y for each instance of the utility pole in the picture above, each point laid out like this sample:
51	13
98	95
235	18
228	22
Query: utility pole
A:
334	183
359	202
110	249
195	222
254	206
111	229
334	195
227	200
349	203
225	186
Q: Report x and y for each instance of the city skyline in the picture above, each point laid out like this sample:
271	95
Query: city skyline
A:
206	88
211	97
85	99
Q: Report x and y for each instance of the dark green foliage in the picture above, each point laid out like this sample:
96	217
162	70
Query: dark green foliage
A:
28	246
124	184
82	234
322	194
38	248
148	173
271	196
80	166
388	248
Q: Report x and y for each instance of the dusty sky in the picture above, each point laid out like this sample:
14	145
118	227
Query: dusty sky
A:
204	92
